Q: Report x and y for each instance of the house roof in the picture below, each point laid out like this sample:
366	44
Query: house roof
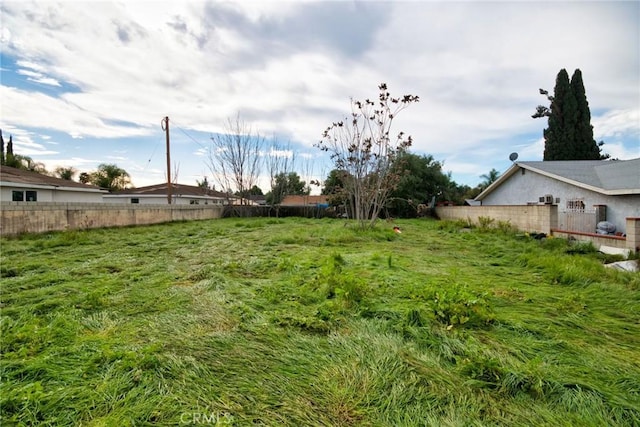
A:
303	200
610	177
27	179
176	190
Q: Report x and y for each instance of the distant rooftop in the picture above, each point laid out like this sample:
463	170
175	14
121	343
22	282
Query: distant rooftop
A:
9	175
176	189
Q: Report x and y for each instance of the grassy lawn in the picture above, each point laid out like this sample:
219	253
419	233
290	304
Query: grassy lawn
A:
304	322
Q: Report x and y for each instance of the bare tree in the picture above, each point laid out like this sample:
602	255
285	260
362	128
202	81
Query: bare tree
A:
280	160
361	147
307	172
234	157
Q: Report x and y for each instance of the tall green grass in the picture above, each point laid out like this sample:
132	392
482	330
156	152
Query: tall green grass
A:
311	322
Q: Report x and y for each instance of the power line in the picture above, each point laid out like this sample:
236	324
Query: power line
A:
189	136
151	157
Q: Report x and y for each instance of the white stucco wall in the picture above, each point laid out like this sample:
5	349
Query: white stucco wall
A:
521	189
161	200
53	195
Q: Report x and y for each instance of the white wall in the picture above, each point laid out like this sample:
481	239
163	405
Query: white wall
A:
161	200
51	195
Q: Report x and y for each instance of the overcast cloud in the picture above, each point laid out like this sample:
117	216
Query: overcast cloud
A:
88	82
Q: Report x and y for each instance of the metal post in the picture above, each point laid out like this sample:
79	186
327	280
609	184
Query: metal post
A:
165	127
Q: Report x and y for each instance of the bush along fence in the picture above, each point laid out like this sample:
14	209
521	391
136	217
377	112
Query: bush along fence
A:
278	211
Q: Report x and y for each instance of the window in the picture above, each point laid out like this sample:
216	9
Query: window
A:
19	196
575	205
135	200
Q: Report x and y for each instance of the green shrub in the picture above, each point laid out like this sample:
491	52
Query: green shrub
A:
484	372
506	227
459	306
454	225
485	222
311	324
341	284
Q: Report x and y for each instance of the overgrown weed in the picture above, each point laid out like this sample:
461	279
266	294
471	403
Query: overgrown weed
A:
298	322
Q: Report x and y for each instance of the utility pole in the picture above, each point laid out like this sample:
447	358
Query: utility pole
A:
165	127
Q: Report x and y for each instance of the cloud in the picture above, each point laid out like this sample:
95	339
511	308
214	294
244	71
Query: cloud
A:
33	73
58	114
113	70
615	123
23	142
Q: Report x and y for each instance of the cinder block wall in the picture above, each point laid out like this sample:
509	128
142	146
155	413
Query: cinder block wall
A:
539	219
633	234
25	217
529	218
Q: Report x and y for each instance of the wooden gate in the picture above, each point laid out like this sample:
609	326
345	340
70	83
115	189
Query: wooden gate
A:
583	221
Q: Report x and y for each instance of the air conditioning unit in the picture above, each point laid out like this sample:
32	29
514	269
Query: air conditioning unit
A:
548	199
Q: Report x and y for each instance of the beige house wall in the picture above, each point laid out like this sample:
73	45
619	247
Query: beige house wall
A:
29	217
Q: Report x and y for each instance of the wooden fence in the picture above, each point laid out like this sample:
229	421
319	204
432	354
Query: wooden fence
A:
582	221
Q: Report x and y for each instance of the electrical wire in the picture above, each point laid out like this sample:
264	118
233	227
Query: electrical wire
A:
163	125
189	136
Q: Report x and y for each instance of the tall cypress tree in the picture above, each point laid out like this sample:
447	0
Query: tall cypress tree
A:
569	135
1	148
586	146
10	158
559	136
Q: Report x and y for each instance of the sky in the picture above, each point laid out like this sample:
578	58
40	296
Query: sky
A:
87	82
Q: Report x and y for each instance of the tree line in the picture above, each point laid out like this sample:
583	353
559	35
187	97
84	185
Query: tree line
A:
108	176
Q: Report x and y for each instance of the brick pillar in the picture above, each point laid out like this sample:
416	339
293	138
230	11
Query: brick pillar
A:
633	233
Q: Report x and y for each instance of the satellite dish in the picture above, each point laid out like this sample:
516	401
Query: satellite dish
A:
513	157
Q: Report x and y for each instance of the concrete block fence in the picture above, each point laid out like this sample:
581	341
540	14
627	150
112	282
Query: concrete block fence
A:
28	217
541	219
529	218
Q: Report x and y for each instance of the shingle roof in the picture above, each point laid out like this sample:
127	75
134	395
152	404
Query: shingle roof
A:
606	175
176	189
9	175
612	177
